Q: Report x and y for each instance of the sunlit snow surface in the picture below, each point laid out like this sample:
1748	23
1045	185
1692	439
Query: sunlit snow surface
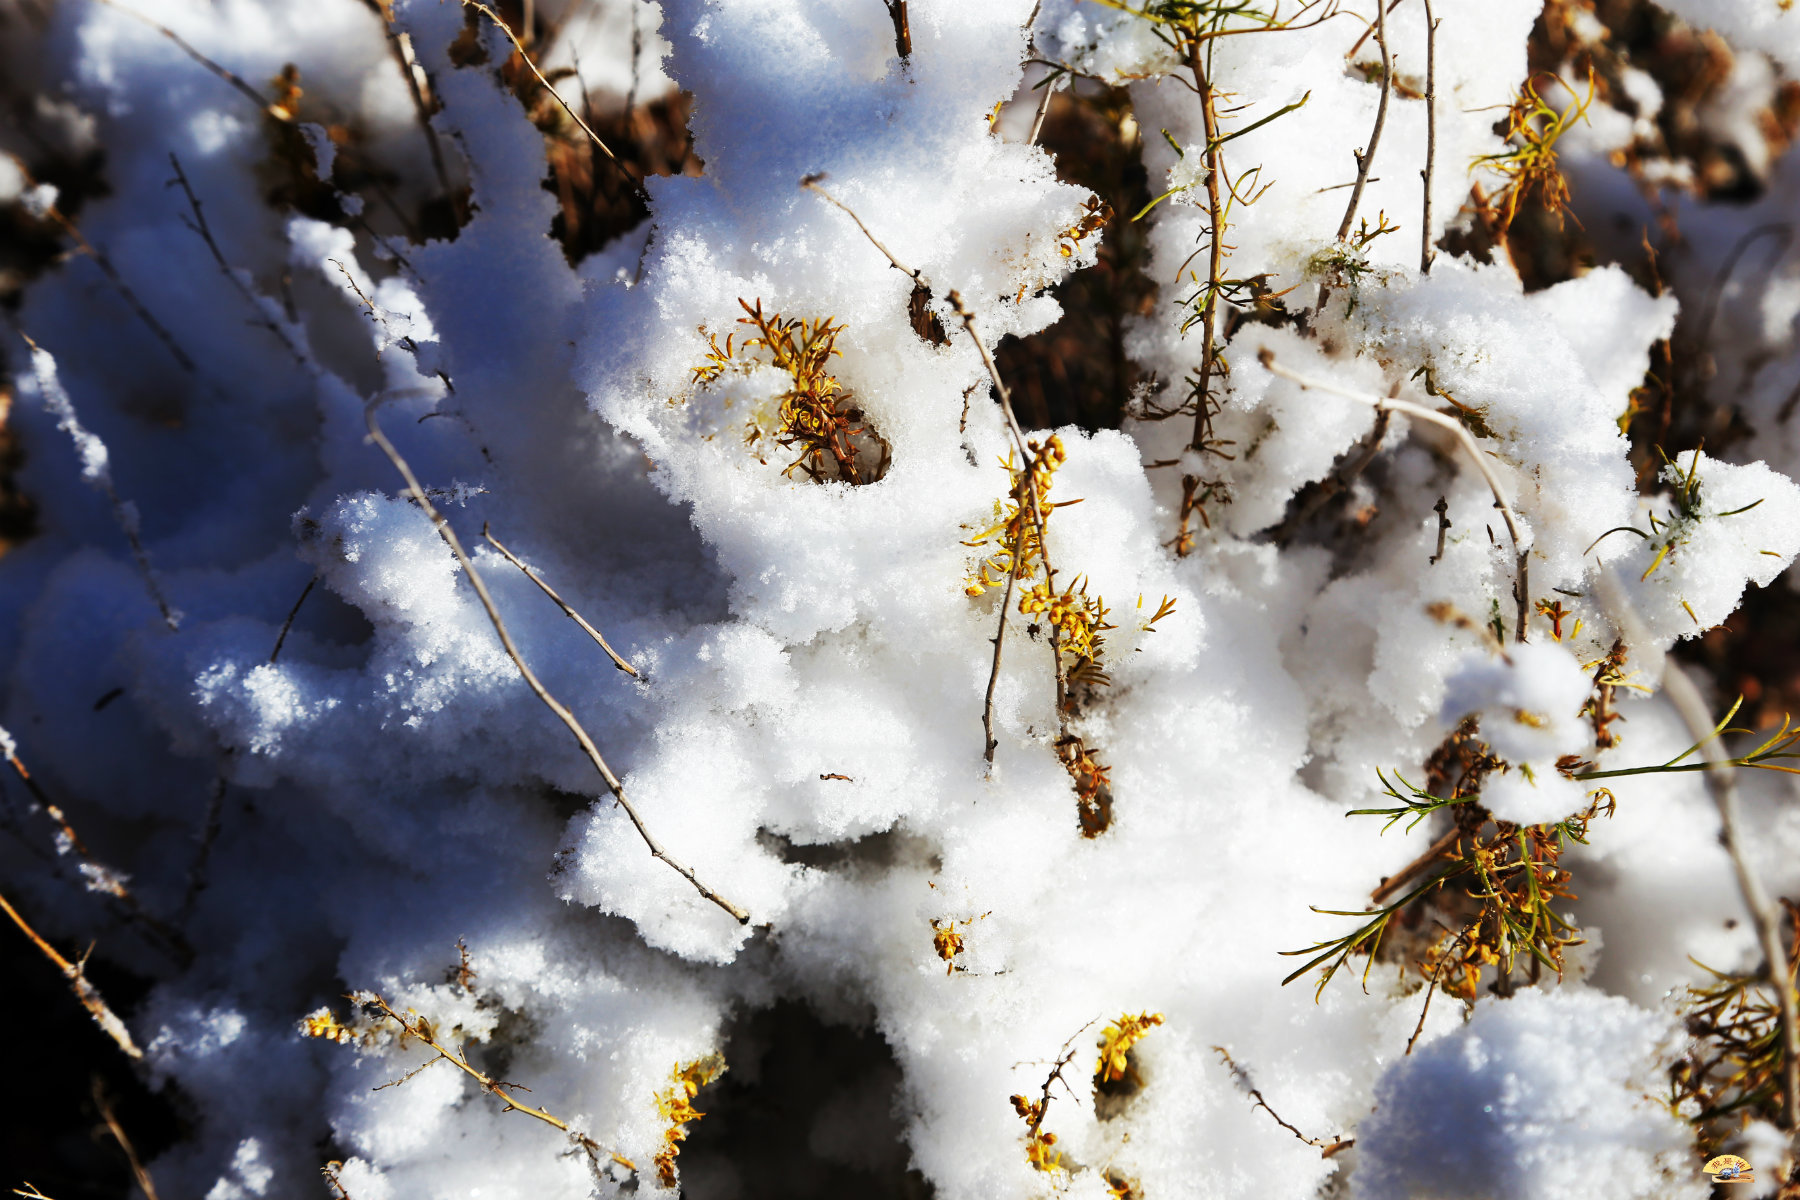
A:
391	786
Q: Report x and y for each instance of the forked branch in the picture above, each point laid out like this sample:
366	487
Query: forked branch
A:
87	993
1464	438
588	748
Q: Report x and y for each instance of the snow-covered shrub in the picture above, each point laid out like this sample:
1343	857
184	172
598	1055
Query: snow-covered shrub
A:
969	736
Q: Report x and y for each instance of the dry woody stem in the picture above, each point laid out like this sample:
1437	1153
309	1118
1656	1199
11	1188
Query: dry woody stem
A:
811	183
84	991
1467	440
98	876
420	1028
138	1172
554	94
1209	311
1366	159
560	603
1426	253
1242	1078
531	680
1721	781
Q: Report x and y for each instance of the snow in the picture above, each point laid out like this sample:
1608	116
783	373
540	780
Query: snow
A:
806	731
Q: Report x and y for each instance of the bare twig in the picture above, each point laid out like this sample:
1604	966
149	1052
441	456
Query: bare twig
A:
255	97
1209	308
198	224
811	183
1064	1057
1417	867
209	833
1467	440
1436	972
95	874
1242	1078
85	992
554	94
1366	159
1721	781
118	1131
420	1028
1339	482
560	603
99	474
1037	511
1358	44
1426	253
531	680
1442	509
902	31
400	46
105	265
293	612
1043	110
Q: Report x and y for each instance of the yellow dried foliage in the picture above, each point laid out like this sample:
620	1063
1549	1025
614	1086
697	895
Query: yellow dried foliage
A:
676	1104
1116	1042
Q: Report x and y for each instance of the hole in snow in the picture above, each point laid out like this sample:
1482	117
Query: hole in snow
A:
880	851
806	1110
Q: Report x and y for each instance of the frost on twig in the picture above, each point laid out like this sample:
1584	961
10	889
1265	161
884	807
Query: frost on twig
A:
87	993
96	875
562	712
96	469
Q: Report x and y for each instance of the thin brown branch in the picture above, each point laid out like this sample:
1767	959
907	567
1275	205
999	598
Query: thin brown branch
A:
198	224
293	612
554	94
560	603
125	515
1358	44
400	46
420	1028
1242	1078
811	183
1417	867
1721	781
147	1184
563	714
1037	511
95	874
209	833
902	30
84	991
1426	252
1215	269
1442	509
272	110
1456	428
105	265
1436	972
1366	159
1043	110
